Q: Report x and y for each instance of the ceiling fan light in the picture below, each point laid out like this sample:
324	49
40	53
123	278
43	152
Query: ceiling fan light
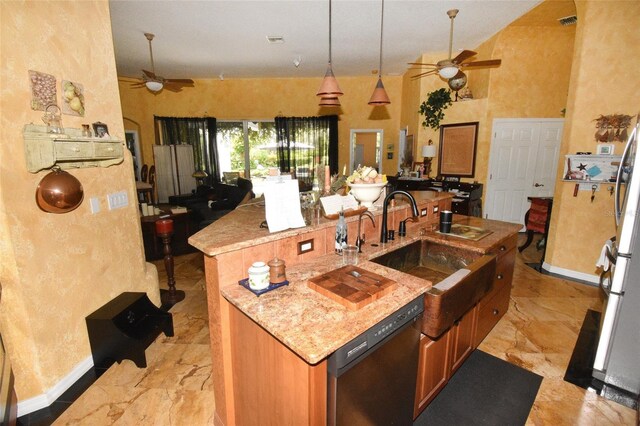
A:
154	86
448	72
329	85
379	95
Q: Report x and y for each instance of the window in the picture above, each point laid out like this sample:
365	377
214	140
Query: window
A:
249	148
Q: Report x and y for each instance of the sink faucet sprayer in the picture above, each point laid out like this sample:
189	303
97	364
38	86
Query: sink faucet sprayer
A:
360	237
414	207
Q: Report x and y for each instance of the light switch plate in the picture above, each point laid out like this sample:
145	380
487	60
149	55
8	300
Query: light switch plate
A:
94	202
117	200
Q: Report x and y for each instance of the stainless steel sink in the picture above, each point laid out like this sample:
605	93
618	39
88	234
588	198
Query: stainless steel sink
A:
459	277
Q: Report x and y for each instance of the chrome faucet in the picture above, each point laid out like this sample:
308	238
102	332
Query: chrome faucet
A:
383	226
360	238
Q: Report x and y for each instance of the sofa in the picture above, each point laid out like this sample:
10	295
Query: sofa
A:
210	203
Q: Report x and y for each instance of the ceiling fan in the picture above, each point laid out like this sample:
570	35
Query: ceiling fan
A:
154	82
449	68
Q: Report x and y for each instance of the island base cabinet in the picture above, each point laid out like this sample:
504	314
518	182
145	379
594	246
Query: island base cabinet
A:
489	313
433	369
271	384
463	338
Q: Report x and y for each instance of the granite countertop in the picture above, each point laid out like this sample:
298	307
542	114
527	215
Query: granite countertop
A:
314	326
223	236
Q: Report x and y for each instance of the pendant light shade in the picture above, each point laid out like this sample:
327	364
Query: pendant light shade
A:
329	89
329	101
379	96
329	85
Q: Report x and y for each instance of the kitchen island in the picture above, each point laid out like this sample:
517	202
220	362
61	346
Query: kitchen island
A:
269	352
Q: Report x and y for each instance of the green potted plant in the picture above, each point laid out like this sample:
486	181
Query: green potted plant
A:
433	108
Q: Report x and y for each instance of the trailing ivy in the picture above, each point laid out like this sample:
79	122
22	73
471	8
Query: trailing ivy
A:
433	108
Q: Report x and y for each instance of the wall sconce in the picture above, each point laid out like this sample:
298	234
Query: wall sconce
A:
428	152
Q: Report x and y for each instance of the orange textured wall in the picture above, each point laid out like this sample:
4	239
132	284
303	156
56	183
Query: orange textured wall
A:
58	268
603	81
265	99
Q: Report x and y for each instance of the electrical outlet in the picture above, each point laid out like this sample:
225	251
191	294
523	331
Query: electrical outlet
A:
94	202
117	200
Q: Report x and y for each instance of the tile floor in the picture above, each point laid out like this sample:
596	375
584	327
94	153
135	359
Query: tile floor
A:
538	333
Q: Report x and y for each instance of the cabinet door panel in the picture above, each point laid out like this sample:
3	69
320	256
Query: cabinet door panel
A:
463	338
433	370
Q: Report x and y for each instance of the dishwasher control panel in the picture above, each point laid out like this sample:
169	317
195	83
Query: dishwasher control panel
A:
376	334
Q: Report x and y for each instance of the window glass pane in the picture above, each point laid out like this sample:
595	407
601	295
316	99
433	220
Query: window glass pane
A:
263	152
230	142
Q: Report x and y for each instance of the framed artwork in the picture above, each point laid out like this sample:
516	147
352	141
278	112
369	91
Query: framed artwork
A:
457	153
605	149
100	130
417	165
389	155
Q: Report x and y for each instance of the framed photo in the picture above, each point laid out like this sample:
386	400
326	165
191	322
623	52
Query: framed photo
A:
605	149
389	155
100	130
417	165
457	153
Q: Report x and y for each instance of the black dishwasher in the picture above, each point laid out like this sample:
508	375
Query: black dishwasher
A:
372	379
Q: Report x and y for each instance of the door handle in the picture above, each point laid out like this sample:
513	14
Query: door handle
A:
538	184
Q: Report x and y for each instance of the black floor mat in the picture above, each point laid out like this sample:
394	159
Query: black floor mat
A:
484	391
579	370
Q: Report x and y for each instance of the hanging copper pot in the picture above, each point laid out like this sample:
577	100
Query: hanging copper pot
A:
59	192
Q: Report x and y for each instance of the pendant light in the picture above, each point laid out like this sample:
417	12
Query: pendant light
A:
329	89
379	96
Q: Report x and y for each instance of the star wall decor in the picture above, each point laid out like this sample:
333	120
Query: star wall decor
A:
582	167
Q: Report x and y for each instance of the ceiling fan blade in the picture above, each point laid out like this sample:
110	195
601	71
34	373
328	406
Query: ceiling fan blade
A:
150	74
422	64
183	81
173	88
463	56
424	74
487	63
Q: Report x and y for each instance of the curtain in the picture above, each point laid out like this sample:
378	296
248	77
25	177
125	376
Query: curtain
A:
305	142
174	169
200	133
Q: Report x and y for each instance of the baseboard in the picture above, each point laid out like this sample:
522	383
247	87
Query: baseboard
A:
46	399
573	275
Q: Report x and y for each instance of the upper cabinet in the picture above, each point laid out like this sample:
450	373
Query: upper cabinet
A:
68	150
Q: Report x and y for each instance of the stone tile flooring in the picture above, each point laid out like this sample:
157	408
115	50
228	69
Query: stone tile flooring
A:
538	333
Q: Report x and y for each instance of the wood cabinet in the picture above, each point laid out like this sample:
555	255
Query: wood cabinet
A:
69	150
440	358
495	304
433	369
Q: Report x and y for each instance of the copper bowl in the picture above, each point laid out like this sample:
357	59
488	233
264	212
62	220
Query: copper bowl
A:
59	192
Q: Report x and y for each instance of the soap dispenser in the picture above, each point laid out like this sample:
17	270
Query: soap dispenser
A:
341	233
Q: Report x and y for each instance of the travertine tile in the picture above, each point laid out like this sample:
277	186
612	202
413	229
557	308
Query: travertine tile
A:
538	333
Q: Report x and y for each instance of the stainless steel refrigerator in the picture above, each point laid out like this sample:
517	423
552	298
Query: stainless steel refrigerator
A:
617	359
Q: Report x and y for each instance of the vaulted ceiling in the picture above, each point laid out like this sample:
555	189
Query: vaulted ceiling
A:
213	39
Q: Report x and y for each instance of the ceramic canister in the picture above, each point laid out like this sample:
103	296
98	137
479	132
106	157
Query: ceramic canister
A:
259	276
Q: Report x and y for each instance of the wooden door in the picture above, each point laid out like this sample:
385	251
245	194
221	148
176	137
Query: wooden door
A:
523	153
433	369
544	181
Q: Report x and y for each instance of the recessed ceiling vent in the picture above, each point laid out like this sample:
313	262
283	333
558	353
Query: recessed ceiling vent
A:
568	20
275	39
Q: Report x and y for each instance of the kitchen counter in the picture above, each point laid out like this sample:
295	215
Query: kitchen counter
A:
281	339
314	326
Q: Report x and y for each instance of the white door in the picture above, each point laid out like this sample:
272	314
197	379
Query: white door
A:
523	163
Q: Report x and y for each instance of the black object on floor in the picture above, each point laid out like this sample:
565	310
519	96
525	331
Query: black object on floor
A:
579	370
484	391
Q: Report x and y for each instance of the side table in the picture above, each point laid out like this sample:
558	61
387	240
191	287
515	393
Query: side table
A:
183	225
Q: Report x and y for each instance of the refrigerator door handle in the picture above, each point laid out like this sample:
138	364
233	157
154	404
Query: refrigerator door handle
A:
603	287
617	206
